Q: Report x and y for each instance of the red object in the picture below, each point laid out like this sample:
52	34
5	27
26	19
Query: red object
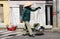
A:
12	28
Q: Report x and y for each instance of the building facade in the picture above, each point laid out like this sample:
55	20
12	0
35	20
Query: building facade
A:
4	17
12	11
42	16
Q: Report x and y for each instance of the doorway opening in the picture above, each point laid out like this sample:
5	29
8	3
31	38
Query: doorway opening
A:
1	14
49	14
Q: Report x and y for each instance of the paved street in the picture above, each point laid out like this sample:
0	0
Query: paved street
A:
18	35
48	35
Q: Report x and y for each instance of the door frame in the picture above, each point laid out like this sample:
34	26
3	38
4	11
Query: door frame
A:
51	14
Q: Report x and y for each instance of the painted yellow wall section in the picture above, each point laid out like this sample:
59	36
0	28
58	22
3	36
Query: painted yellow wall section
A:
5	11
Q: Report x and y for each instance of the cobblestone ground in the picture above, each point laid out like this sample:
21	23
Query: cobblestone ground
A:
47	35
18	35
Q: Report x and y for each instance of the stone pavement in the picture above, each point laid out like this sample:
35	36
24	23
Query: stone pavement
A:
5	34
47	35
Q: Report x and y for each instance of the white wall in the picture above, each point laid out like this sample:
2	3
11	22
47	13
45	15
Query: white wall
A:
36	17
58	12
17	3
14	15
39	15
